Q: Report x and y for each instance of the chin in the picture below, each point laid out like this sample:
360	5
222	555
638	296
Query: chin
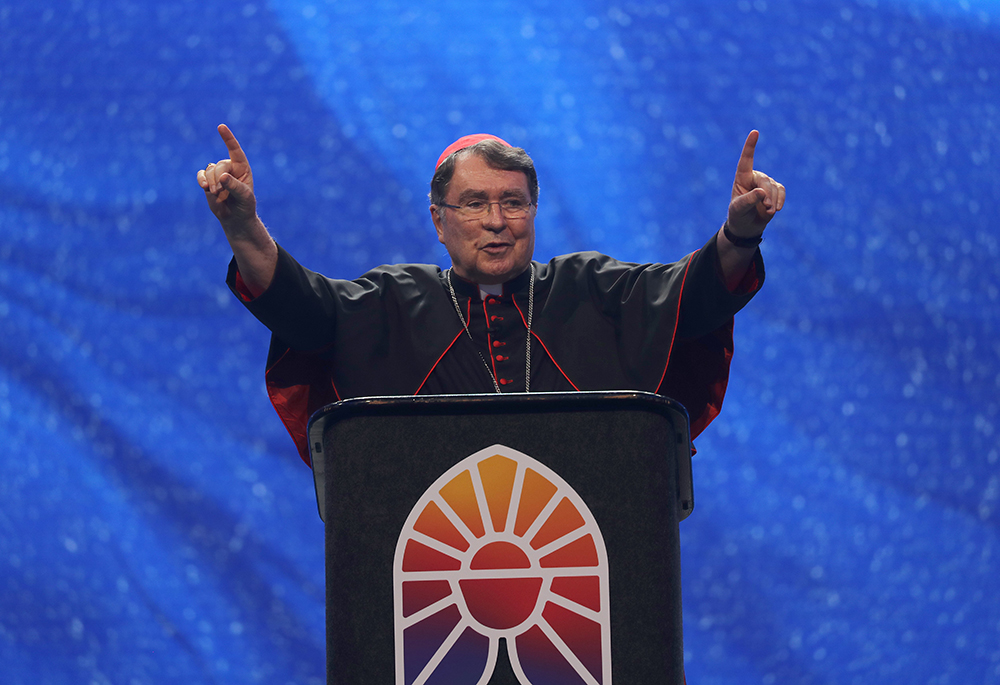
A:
497	276
496	271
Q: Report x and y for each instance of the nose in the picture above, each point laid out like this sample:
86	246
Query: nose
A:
494	218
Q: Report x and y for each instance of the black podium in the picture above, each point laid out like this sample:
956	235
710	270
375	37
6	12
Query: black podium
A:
503	539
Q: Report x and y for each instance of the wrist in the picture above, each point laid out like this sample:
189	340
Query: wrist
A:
246	230
741	241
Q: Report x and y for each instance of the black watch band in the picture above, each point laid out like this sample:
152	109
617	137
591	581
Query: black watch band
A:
741	242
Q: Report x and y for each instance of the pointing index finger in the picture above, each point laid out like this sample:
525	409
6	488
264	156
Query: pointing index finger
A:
746	158
235	151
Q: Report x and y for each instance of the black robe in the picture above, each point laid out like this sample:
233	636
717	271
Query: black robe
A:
598	324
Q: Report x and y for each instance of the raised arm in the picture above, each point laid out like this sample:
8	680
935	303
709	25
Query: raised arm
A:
228	186
755	200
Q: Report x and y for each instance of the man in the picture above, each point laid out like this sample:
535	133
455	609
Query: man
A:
496	320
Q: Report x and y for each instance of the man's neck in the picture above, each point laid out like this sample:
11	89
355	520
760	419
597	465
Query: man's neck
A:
466	287
487	290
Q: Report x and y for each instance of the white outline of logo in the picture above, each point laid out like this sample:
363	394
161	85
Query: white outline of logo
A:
546	596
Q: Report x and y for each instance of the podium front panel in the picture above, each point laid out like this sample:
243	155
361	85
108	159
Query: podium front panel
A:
393	471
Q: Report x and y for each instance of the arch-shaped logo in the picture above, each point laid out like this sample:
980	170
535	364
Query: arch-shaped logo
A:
498	547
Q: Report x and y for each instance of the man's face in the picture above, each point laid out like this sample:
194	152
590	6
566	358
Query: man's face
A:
491	249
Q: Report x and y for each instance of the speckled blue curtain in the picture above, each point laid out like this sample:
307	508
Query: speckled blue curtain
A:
156	525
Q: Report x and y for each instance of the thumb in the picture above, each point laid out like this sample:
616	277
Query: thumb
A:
239	191
743	204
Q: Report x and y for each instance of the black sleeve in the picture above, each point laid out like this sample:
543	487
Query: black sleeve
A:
706	303
299	306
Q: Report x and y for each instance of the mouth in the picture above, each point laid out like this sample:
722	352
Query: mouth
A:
495	247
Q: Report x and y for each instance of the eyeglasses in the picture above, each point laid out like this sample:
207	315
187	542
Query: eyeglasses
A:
510	208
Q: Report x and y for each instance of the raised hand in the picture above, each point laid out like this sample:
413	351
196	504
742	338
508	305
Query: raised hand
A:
756	196
228	185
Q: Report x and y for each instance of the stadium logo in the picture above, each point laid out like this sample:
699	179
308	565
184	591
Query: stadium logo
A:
501	548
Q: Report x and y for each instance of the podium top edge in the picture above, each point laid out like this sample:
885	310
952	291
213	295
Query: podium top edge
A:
587	400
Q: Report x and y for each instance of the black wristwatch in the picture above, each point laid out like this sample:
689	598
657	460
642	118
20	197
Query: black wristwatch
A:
741	242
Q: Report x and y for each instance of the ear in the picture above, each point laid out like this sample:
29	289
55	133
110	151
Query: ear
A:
438	223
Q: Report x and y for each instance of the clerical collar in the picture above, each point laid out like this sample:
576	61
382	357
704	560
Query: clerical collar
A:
466	288
487	290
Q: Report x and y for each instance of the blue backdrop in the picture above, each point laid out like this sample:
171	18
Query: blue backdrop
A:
156	525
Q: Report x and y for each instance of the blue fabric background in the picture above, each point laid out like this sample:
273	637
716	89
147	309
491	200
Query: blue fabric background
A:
156	525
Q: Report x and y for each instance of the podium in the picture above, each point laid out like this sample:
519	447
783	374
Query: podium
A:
503	539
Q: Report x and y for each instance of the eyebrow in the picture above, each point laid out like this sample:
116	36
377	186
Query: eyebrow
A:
473	194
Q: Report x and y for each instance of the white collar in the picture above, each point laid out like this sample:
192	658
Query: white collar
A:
486	290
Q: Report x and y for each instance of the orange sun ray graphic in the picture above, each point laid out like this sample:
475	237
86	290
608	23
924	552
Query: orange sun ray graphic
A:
501	547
